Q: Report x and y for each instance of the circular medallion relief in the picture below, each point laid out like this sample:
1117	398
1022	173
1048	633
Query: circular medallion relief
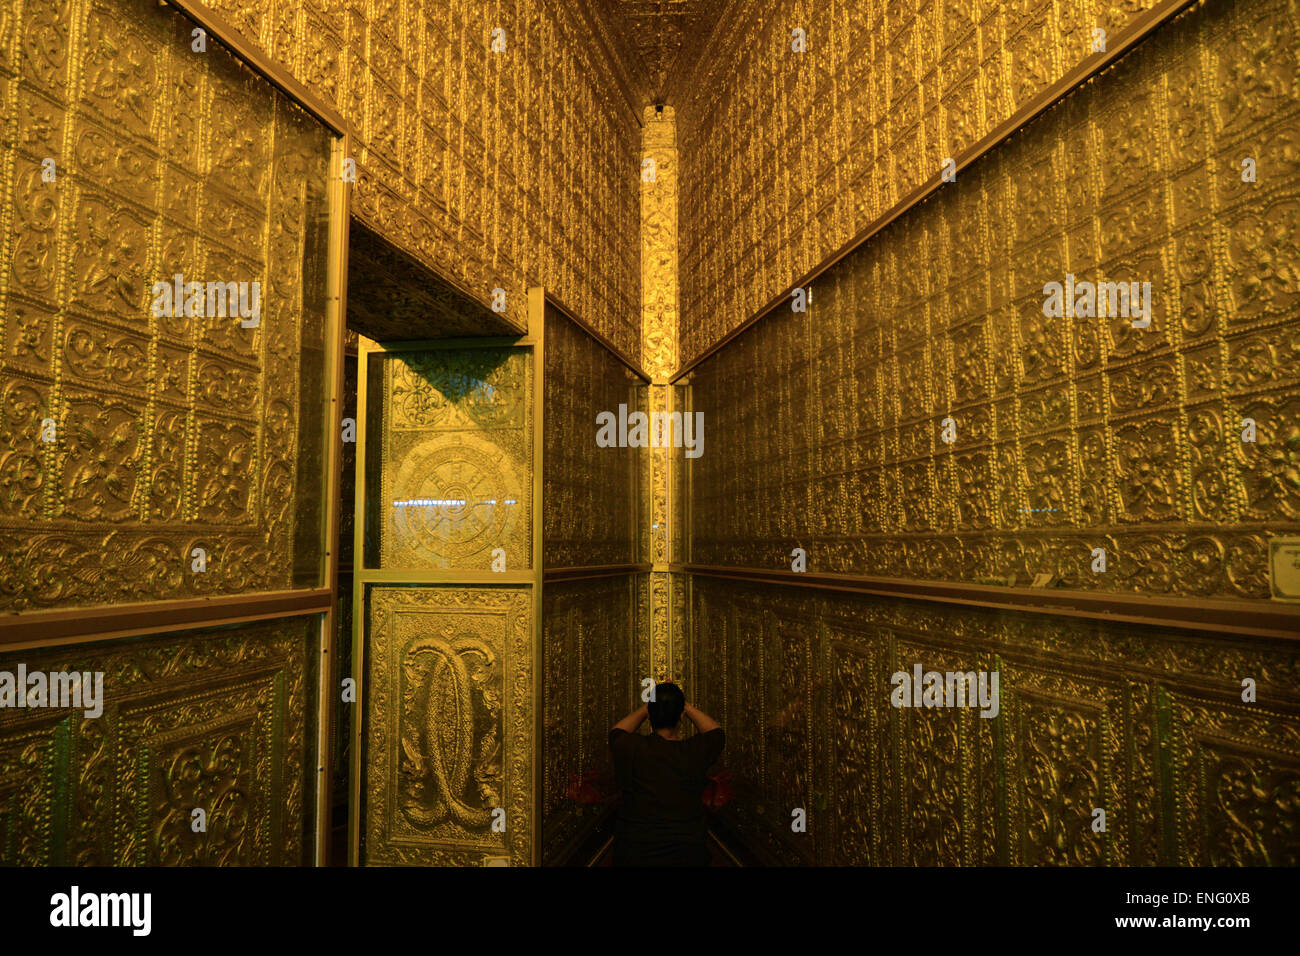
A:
450	501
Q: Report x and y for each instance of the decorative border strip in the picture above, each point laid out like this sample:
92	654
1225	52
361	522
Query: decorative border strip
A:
1210	616
79	625
594	571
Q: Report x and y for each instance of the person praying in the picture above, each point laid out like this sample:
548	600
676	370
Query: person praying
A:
662	777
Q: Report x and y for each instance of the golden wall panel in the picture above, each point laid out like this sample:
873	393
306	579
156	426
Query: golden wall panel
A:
785	156
128	438
589	494
1145	723
451	448
678	487
497	169
342	712
590	681
1071	434
1236	775
644	656
661	663
681	667
450	736
221	720
659	464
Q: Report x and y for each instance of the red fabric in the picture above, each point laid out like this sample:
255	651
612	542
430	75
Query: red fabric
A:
718	792
590	787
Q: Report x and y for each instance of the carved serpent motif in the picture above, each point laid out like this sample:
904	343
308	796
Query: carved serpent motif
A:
439	739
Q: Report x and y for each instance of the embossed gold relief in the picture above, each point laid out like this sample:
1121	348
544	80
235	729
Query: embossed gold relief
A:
661	662
677	490
786	156
659	355
482	165
659	244
591	679
659	464
594	513
341	716
219	720
681	667
450	717
129	439
660	40
644	655
589	494
393	298
1072	434
1146	723
453	450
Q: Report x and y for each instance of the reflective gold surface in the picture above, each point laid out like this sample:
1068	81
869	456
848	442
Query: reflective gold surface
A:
592	504
454	459
590	678
169	433
1072	434
786	155
659	355
661	40
443	771
486	166
522	165
450	717
1145	723
394	298
589	494
222	721
659	316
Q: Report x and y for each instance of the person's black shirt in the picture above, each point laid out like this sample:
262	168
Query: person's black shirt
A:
661	820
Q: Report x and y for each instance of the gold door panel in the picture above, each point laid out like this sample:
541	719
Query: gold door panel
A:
445	634
449	717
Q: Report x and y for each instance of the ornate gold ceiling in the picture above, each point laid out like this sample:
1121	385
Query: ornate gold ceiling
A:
659	39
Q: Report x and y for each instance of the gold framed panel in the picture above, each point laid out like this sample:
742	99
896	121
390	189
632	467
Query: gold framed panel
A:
449	454
139	402
448	724
1147	723
194	416
219	719
433	642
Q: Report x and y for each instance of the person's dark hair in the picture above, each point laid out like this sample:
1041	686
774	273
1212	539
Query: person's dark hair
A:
666	709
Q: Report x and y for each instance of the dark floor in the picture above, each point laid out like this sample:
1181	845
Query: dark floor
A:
718	857
339	852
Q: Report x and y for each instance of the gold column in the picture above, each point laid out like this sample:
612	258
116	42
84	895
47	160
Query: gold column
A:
659	357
